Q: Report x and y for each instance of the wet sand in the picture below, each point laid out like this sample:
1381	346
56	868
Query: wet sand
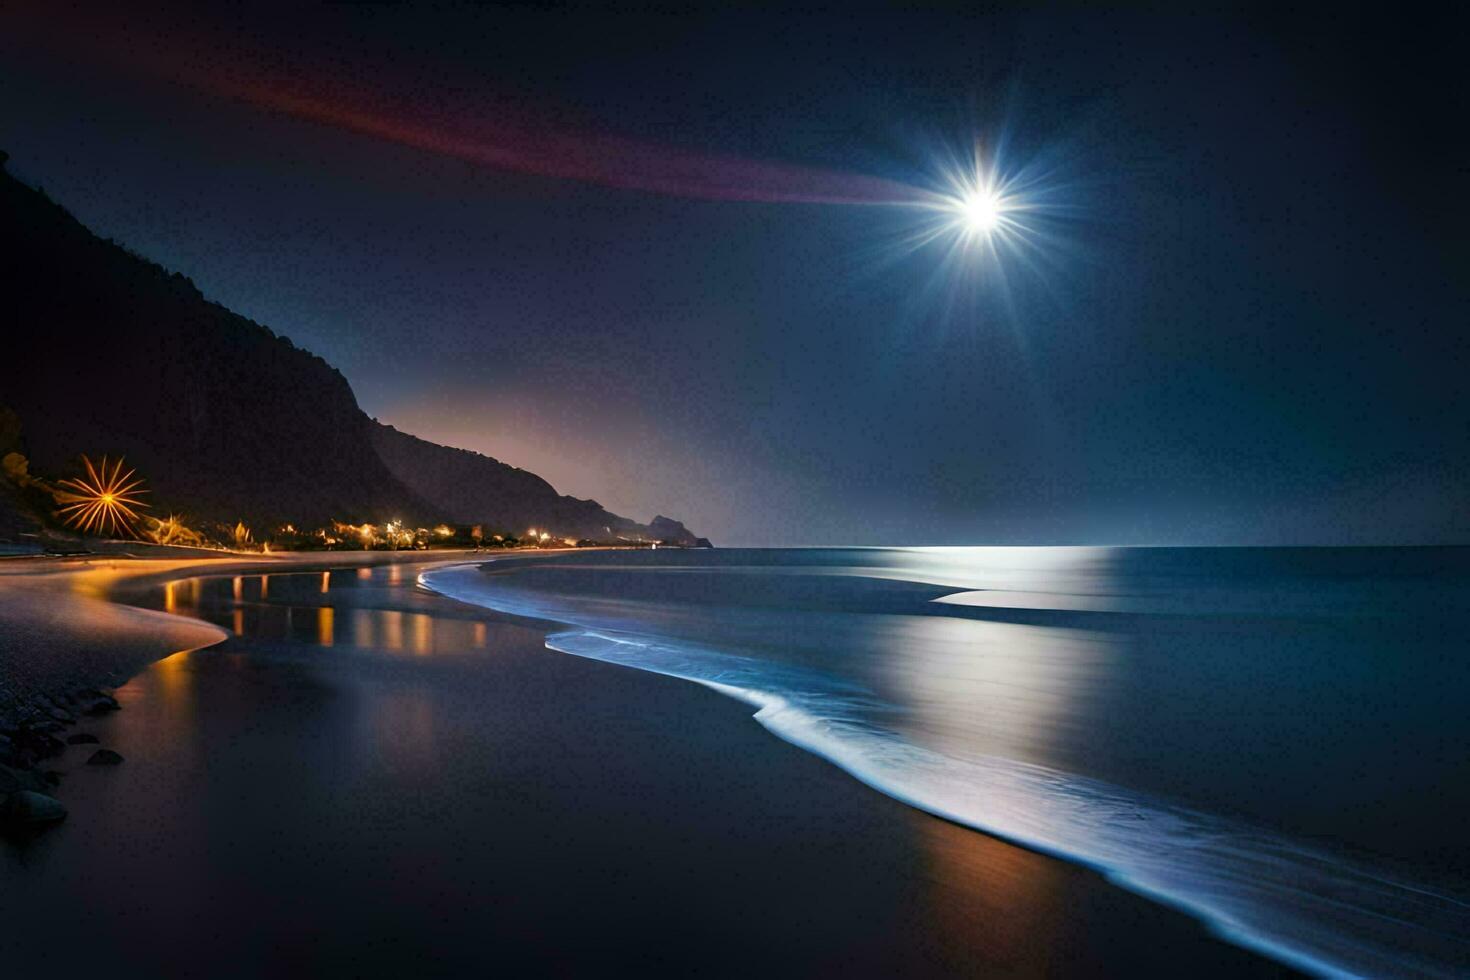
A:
366	779
59	632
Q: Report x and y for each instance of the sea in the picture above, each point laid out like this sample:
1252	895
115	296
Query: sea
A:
1275	740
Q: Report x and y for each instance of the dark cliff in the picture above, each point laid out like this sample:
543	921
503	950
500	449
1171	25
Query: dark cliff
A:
104	352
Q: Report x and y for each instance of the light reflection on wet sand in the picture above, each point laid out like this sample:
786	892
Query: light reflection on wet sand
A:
173	679
297	600
363	631
1002	897
392	621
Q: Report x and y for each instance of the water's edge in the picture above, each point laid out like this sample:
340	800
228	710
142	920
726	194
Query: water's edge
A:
1298	905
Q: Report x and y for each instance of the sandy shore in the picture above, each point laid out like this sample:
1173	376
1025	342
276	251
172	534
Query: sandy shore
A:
60	633
427	790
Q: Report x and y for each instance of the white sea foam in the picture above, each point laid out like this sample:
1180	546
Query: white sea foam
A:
1298	904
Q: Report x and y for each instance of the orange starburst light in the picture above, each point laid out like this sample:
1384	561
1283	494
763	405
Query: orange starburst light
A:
102	502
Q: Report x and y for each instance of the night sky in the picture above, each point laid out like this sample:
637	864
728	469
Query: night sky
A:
666	261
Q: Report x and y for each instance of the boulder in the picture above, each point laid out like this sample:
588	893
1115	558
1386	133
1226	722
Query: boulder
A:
15	780
28	810
103	704
44	742
30	744
104	757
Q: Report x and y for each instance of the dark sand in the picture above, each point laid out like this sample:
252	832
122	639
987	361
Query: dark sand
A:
437	794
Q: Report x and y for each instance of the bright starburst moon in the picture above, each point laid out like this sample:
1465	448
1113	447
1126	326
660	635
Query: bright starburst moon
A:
102	502
980	210
987	217
980	206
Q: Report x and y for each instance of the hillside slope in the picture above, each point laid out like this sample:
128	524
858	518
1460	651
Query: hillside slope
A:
104	352
473	488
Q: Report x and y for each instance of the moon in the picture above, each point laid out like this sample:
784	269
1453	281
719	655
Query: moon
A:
980	211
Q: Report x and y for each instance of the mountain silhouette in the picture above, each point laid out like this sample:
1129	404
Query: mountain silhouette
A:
106	352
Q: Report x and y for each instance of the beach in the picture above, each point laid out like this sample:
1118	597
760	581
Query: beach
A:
62	632
384	781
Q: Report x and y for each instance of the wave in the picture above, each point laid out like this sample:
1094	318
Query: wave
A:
1299	904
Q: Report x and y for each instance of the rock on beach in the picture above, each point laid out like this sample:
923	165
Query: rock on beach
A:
28	810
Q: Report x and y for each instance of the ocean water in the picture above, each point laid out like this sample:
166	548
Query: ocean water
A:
1275	740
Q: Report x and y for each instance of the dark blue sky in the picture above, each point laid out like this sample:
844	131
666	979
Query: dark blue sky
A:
1247	322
